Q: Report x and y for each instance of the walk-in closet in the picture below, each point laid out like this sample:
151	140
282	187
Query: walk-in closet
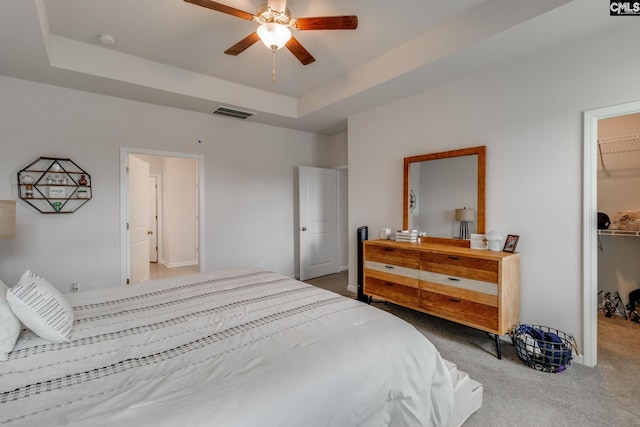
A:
619	199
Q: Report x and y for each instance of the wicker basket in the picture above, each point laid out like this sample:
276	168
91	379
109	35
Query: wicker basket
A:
543	348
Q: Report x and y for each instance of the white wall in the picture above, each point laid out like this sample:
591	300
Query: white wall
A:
337	152
338	157
250	178
155	163
343	218
179	212
619	189
529	115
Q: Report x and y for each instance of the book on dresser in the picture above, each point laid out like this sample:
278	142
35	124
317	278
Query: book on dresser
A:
407	235
476	288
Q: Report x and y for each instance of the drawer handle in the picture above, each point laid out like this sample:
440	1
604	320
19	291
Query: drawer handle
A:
390	267
454	300
388	283
453	279
454	257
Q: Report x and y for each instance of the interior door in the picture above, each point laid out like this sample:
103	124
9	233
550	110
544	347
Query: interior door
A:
318	221
139	232
153	218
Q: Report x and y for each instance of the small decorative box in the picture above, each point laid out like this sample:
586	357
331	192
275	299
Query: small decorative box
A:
479	241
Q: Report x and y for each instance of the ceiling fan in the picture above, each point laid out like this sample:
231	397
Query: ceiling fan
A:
275	25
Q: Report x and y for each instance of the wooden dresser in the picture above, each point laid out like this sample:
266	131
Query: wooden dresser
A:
476	288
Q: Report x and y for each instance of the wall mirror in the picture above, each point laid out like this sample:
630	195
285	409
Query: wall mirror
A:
437	184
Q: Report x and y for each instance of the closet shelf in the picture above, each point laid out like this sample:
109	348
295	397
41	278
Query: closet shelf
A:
625	147
620	144
619	233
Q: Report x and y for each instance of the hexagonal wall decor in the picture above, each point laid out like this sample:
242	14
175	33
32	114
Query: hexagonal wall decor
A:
54	185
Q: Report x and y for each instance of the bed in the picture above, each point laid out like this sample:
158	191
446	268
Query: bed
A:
234	347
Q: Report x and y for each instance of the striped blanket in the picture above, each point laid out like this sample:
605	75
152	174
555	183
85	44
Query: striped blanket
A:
236	347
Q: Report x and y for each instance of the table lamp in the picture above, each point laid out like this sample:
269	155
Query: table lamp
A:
7	219
465	216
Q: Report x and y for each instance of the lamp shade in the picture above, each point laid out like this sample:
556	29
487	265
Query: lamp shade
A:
7	219
465	215
274	35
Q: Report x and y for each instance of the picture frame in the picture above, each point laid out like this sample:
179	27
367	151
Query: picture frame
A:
511	243
57	193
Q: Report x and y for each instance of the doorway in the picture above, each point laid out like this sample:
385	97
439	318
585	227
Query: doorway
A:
318	219
335	256
618	245
155	216
179	200
589	223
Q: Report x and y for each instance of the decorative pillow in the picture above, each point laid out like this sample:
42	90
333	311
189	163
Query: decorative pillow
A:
9	325
41	307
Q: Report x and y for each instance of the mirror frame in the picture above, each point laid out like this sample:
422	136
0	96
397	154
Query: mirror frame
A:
481	152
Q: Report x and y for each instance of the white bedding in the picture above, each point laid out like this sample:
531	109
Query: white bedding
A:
239	347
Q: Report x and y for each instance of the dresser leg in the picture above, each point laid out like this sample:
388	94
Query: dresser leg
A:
498	346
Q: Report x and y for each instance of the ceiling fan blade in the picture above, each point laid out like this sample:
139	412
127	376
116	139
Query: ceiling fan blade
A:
243	44
277	5
299	51
222	8
347	22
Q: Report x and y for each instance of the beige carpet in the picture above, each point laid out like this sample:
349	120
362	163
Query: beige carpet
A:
515	394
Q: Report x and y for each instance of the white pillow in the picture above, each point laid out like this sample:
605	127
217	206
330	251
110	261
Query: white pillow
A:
9	325
41	307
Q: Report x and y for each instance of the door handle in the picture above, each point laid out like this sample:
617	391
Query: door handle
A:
304	228
149	232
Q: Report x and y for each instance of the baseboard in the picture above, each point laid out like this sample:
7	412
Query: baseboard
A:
350	288
579	359
178	264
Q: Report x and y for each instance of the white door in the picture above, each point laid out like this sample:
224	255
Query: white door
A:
153	218
138	220
318	221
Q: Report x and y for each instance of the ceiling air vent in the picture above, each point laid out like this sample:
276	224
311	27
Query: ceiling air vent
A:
233	113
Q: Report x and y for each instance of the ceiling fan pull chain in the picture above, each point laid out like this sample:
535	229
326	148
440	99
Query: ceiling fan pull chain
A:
273	71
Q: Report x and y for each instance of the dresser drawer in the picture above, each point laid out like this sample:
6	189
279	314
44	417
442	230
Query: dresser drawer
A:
385	271
444	283
460	310
392	256
392	291
461	266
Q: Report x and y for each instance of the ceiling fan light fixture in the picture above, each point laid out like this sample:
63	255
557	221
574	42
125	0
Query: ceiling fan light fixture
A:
274	35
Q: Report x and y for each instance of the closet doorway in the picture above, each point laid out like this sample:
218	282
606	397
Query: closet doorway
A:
161	214
618	245
601	157
619	199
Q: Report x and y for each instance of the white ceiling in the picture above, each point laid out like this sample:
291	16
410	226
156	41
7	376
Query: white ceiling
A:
170	52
